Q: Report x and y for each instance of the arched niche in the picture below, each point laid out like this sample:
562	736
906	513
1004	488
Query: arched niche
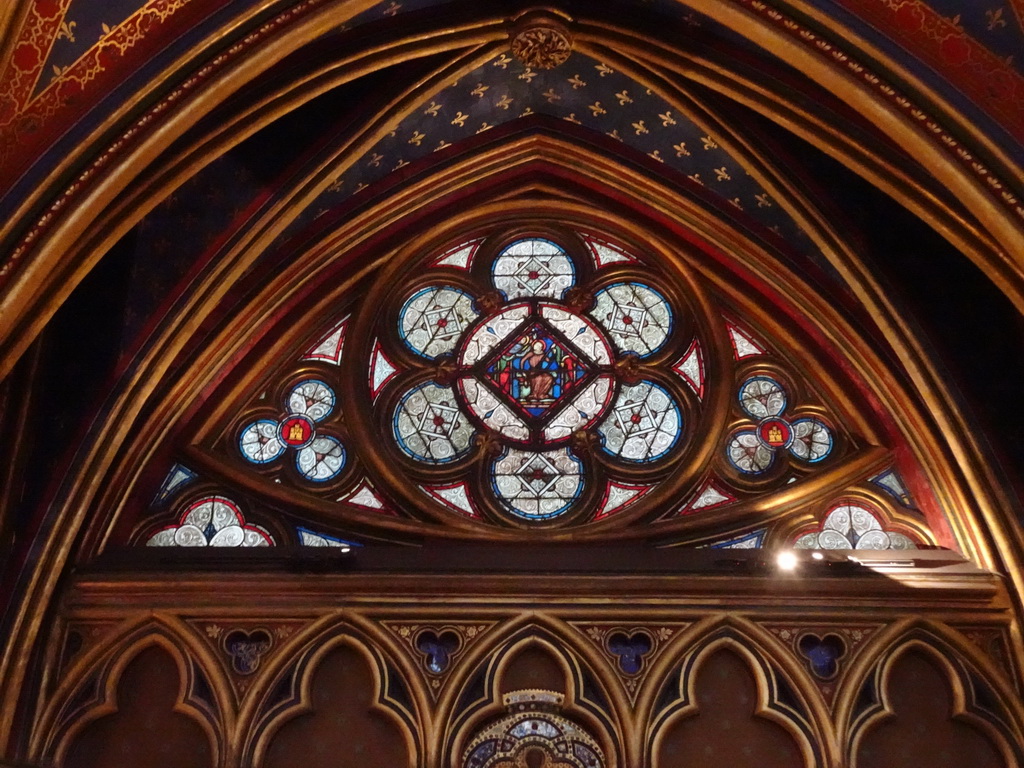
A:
336	699
149	705
492	697
533	735
728	704
929	697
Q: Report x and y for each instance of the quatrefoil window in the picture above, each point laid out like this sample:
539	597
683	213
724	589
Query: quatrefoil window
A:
318	457
754	449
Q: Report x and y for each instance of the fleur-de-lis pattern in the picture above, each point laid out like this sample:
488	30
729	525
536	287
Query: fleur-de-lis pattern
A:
583	91
219	192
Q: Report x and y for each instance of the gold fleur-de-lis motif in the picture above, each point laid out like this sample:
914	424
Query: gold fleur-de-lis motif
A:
400	164
459	119
442	144
504	102
708	142
994	17
484	126
597	109
667	119
433	109
576	82
551	96
696	177
526	112
480	90
623	97
374	161
603	69
572	118
417	138
656	155
722	174
502	61
614	133
67	31
763	201
392	9
681	149
528	75
336	185
640	128
736	201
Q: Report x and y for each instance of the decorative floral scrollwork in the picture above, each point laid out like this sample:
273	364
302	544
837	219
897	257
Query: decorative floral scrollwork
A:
541	42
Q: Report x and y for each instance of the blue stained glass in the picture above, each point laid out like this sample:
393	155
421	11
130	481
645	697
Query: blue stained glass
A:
430	427
536	370
636	316
644	425
891	482
537	486
260	442
753	540
432	320
308	538
178	477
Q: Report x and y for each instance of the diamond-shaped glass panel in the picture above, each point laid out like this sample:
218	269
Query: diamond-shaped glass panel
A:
536	371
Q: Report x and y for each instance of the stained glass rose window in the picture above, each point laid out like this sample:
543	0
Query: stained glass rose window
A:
529	360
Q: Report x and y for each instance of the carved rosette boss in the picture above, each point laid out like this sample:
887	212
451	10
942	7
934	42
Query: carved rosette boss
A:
539	40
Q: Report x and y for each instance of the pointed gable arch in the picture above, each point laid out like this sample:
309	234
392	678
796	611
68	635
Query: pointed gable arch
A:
713	270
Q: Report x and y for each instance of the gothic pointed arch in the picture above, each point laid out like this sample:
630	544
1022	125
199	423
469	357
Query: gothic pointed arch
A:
437	333
727	392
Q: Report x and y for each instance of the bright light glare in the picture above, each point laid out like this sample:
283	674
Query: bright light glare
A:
817	555
786	561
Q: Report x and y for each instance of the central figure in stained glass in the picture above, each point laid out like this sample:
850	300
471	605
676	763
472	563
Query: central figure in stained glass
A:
536	371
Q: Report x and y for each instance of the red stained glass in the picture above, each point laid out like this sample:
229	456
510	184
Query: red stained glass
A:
536	371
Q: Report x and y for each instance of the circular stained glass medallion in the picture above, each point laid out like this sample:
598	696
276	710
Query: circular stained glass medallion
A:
812	440
432	320
762	397
430	427
533	267
644	423
637	317
321	460
311	398
260	442
537	486
748	453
